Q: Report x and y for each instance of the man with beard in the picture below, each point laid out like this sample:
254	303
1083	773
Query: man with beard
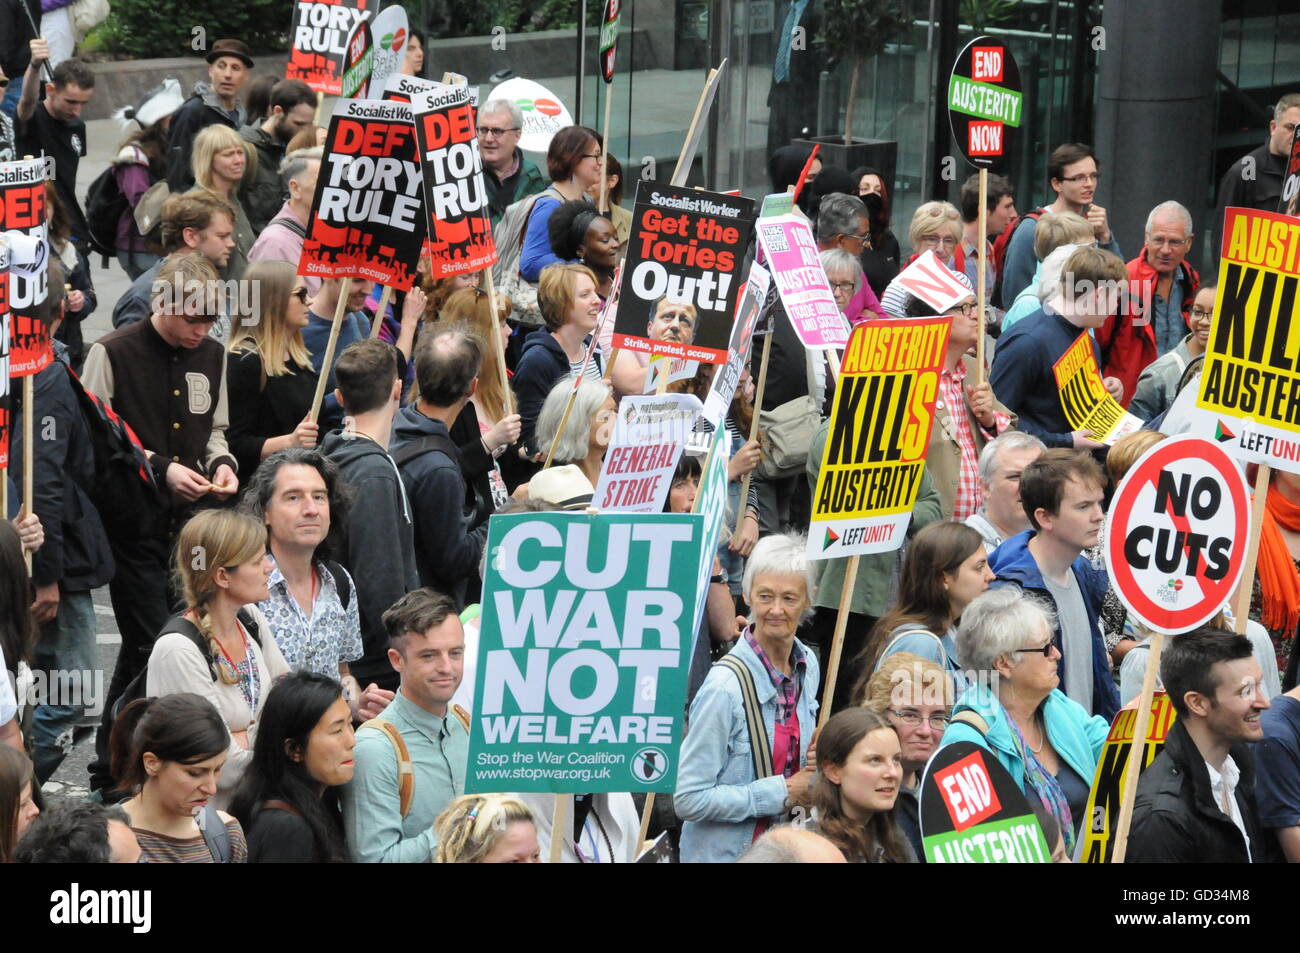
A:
293	107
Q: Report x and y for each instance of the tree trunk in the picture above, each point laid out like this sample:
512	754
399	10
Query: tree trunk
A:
848	109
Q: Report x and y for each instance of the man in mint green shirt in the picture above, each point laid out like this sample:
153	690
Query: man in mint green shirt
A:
427	648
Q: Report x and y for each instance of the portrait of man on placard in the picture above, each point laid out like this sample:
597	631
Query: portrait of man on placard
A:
673	321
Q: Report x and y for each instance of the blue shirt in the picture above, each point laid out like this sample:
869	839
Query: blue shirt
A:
316	335
1277	765
372	817
1167	315
320	642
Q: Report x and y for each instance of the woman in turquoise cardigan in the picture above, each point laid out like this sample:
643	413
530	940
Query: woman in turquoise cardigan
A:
1048	743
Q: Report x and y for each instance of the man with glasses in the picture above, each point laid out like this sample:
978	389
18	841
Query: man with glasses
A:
1161	287
165	377
1255	180
508	175
1061	493
1073	174
1196	802
843	224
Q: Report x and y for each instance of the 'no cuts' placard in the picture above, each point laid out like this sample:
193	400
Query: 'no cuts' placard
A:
1177	534
583	652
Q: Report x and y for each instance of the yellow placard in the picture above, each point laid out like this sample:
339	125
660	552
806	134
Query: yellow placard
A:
1084	399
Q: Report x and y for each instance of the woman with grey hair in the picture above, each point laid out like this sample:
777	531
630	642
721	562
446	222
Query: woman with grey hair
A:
586	433
1015	709
751	724
853	296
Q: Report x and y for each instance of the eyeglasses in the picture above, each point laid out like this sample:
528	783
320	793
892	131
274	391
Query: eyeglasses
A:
1197	313
1083	177
947	241
967	309
592	155
4	81
845	286
913	719
1174	243
487	132
1046	650
300	294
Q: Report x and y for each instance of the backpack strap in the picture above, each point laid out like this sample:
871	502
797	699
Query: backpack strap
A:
405	769
215	834
289	224
461	715
972	718
246	619
426	444
759	744
341	582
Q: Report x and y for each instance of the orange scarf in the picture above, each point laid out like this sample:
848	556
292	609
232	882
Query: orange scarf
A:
1279	583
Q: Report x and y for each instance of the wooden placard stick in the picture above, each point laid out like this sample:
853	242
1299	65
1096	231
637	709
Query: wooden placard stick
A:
328	361
837	643
753	426
1241	604
29	450
603	205
1137	749
559	822
981	264
381	311
696	129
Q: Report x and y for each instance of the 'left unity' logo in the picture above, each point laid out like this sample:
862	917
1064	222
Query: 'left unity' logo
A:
649	765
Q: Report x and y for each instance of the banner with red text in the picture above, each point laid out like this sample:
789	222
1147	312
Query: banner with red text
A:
649	435
23	214
1084	399
792	255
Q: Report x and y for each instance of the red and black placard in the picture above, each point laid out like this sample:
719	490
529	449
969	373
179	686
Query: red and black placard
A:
319	41
23	210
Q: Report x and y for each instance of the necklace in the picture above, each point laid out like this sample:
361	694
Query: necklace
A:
1042	737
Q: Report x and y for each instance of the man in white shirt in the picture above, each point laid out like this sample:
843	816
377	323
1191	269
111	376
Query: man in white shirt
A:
1196	802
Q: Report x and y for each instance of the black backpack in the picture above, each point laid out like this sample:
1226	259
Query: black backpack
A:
105	206
178	623
124	489
478	504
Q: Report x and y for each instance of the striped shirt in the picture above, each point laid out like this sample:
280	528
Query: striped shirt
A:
161	849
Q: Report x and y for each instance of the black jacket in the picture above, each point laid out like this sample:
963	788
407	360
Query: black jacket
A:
448	546
16	34
76	552
380	545
1253	181
263	193
541	363
263	407
1175	818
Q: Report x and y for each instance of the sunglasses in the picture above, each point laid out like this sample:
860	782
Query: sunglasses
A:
4	81
300	294
1045	650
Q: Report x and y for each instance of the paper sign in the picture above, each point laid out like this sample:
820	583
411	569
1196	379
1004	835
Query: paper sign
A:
1177	533
319	41
358	60
1289	203
985	102
609	38
649	435
391	30
681	278
727	378
367	217
5	317
879	434
1097	832
584	650
795	262
1250	379
544	113
460	229
1084	399
23	215
930	280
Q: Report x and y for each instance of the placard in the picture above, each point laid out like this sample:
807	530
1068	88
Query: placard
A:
879	434
681	278
460	228
1086	403
609	38
650	433
358	59
367	217
584	649
792	256
933	282
1177	533
985	103
23	214
318	41
1251	375
972	811
727	377
391	31
544	113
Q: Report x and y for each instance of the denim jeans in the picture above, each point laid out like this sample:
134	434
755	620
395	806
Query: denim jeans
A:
67	680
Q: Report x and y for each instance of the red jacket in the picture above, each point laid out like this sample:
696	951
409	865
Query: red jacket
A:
1127	339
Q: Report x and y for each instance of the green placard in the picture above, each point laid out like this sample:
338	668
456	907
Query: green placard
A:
583	653
984	101
778	203
1013	840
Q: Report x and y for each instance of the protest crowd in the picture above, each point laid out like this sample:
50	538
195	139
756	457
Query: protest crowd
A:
460	508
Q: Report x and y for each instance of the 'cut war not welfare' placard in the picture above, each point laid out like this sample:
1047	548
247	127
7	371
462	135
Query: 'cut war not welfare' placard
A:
583	652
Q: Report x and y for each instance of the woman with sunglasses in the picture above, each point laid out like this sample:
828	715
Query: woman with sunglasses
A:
269	378
966	417
1015	708
936	227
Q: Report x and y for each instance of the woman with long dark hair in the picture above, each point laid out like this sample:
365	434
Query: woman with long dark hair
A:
946	567
859	774
169	752
881	258
287	800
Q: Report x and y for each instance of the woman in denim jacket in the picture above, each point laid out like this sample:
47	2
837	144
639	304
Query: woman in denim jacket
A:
720	797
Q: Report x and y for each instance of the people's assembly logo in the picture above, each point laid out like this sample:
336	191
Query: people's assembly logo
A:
649	765
1168	593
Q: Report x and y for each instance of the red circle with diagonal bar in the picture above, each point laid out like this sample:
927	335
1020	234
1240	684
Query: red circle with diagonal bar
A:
1177	534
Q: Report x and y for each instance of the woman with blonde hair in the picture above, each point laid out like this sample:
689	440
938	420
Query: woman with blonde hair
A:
270	382
221	646
221	160
487	829
936	227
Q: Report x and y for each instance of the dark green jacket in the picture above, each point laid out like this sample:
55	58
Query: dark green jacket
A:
526	181
263	194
